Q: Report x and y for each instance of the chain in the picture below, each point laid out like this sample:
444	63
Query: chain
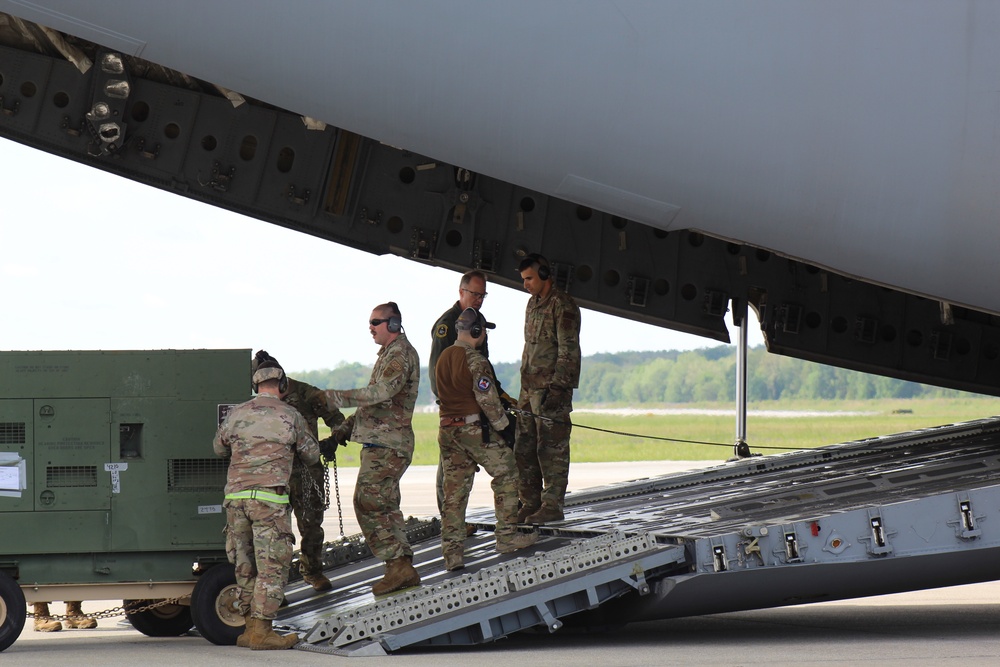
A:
114	611
336	486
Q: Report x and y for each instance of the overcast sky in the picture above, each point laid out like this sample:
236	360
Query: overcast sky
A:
92	261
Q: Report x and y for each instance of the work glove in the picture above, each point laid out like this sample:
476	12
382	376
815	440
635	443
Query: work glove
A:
328	448
506	401
555	399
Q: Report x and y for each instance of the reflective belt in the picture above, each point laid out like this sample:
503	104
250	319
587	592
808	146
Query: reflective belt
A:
257	494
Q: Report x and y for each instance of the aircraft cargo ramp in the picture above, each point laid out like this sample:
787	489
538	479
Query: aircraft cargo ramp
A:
904	512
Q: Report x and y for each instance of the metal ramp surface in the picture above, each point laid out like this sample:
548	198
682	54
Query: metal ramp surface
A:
910	511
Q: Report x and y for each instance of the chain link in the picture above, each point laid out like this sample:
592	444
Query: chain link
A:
114	611
336	486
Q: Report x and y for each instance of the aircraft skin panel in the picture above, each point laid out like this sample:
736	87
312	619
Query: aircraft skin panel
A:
829	133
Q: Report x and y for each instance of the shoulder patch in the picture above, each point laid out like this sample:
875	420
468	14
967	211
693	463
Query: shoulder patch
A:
441	331
484	383
396	365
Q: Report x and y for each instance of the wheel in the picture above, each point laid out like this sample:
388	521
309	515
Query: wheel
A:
170	620
215	606
12	610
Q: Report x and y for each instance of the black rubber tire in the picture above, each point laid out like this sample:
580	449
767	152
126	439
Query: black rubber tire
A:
12	610
213	606
171	620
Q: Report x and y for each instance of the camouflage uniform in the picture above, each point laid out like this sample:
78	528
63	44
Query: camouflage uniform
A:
262	436
306	486
550	369
383	424
443	336
468	387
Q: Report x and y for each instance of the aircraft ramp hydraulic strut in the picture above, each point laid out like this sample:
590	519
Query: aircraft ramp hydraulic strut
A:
904	512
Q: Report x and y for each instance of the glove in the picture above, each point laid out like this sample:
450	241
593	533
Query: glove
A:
506	401
258	359
328	447
555	399
341	434
508	432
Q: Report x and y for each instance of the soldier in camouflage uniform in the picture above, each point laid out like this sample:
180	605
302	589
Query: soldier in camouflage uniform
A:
262	436
550	370
383	424
471	294
307	484
470	405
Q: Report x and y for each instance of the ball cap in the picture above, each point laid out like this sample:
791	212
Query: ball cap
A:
469	318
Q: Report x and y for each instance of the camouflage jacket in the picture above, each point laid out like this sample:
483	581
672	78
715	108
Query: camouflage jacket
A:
468	385
311	404
551	342
262	436
385	407
443	336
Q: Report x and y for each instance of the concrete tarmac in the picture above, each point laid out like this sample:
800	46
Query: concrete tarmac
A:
951	626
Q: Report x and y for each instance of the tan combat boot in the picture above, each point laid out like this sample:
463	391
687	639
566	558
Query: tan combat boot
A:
77	620
525	512
318	581
243	641
42	624
516	542
399	574
547	514
264	638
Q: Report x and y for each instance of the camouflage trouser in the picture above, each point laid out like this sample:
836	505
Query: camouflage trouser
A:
542	450
461	449
307	495
376	501
259	543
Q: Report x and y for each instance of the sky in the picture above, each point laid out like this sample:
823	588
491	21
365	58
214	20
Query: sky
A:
93	261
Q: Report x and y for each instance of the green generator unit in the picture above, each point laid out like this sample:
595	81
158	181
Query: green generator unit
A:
109	488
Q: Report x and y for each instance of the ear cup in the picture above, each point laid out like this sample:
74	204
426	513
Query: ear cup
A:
283	383
543	269
395	324
476	331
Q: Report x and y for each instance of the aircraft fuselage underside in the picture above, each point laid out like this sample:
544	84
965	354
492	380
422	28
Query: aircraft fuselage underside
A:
173	132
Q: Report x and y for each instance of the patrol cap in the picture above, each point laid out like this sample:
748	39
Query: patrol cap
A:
268	370
469	318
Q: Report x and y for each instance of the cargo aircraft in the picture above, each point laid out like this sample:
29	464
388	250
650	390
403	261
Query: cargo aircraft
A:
832	166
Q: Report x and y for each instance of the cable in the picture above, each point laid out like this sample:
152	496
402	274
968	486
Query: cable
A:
633	435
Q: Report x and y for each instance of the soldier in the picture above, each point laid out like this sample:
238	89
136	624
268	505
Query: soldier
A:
550	370
471	294
470	406
306	486
383	424
262	437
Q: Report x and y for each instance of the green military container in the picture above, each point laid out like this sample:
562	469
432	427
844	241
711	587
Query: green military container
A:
109	488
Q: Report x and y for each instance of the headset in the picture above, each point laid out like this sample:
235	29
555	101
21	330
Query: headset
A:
395	323
476	330
543	270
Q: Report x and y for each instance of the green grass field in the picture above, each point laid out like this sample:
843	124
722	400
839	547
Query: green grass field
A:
765	434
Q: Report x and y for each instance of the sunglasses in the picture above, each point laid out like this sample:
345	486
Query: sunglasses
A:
375	323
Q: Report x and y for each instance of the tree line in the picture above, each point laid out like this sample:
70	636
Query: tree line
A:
671	376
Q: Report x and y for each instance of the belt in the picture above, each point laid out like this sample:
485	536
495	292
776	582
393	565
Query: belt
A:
260	494
459	421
